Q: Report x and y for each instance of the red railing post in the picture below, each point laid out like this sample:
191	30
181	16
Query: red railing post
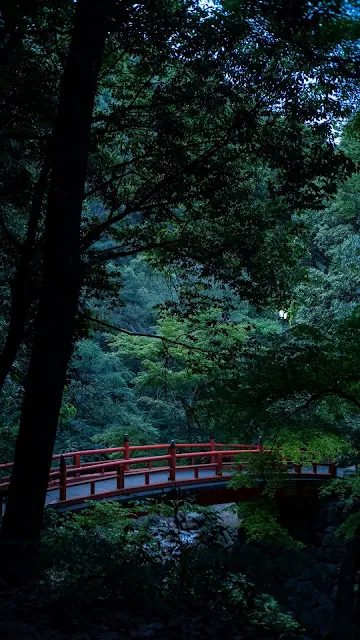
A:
127	451
332	469
314	467
76	463
260	445
172	461
62	478
297	468
219	465
120	473
212	447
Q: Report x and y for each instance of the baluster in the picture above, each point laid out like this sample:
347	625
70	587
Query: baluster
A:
212	447
76	463
127	451
63	473
172	461
120	476
332	469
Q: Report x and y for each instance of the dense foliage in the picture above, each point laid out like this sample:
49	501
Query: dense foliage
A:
152	227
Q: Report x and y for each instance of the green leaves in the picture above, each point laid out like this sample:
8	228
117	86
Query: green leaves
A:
261	526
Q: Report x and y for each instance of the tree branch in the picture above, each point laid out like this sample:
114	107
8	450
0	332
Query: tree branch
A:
9	235
141	335
336	392
95	233
122	252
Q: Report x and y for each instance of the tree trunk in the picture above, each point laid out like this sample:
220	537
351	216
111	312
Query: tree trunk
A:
13	341
343	626
62	282
22	289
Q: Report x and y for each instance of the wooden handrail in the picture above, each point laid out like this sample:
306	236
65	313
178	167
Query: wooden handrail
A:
81	473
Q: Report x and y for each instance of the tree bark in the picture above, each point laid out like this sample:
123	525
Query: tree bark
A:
343	626
62	282
22	289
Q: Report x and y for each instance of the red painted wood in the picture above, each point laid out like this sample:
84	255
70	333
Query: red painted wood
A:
90	473
120	471
172	462
77	463
332	470
126	451
212	448
62	479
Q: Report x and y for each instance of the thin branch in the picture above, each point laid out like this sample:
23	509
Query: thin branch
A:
9	235
141	335
314	398
336	392
166	181
122	252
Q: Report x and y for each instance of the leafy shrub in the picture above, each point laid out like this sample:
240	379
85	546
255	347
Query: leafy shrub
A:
105	553
348	490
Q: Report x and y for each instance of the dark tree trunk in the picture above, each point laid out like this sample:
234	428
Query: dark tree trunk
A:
62	281
343	626
22	290
13	342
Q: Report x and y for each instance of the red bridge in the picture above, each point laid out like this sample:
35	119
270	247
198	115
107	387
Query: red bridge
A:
167	466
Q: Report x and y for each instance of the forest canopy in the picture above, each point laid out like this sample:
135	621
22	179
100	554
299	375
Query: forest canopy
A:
173	175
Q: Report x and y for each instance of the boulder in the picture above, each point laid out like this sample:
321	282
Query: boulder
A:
332	513
334	592
190	521
305	589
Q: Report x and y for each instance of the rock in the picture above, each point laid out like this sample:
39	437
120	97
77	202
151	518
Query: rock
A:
324	614
316	595
308	618
333	593
334	554
292	584
305	589
307	574
331	513
190	521
328	540
320	553
331	529
324	576
324	602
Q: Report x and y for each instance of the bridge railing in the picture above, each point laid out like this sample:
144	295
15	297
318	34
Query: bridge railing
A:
90	474
221	458
127	450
